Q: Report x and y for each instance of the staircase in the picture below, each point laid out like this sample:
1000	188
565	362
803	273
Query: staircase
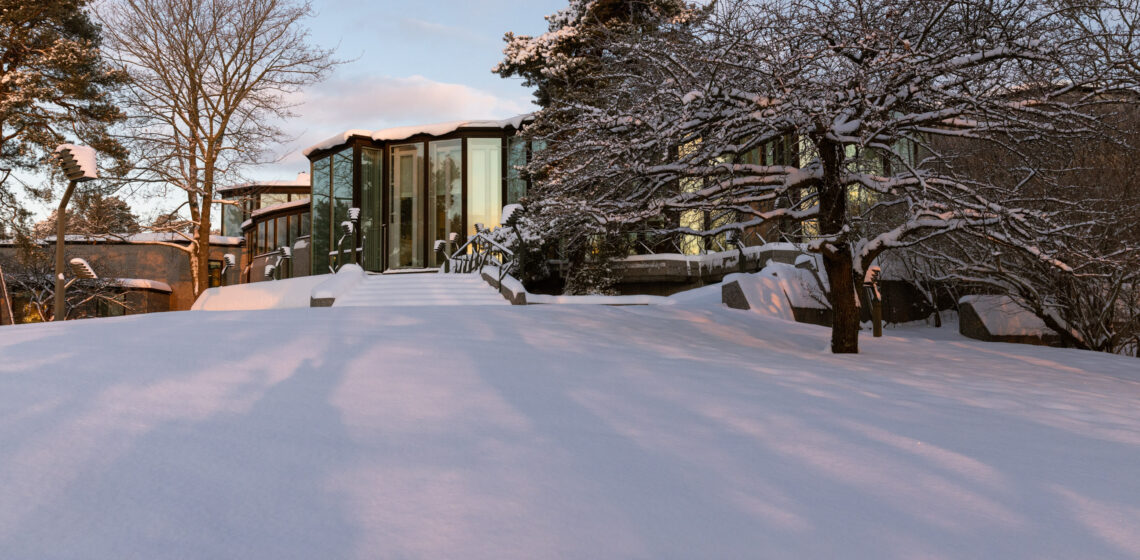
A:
388	290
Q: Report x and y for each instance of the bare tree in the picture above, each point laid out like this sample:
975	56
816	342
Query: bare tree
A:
209	81
30	278
839	118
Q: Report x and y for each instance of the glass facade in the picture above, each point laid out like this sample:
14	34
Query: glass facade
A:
232	217
341	202
484	182
410	195
320	216
405	221
445	192
516	162
271	199
372	211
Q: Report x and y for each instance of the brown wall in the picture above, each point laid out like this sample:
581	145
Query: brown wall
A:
149	262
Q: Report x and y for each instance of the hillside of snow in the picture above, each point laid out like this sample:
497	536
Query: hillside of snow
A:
681	431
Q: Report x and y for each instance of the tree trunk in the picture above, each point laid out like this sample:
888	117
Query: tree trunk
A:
837	259
845	311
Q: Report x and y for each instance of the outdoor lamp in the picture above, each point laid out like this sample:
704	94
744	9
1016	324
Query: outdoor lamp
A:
230	261
82	269
78	164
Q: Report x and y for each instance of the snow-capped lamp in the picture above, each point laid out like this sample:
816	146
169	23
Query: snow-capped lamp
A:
78	163
82	269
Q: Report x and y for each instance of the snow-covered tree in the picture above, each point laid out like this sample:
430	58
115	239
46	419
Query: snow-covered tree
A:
850	121
568	59
210	81
54	88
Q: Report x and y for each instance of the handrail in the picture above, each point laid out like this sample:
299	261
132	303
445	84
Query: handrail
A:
483	251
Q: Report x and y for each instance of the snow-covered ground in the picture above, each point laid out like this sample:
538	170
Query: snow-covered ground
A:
679	431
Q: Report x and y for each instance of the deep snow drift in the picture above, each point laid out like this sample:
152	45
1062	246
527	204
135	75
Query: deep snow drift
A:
682	431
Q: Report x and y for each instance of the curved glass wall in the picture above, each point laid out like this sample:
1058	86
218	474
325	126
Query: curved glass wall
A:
484	182
320	216
445	192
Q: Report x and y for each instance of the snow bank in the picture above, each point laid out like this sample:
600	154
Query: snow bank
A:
339	284
277	294
779	287
597	300
555	431
1002	316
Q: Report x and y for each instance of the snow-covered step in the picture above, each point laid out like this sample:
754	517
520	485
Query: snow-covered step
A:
394	290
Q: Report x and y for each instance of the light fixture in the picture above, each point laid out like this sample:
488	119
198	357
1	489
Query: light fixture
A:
82	269
78	164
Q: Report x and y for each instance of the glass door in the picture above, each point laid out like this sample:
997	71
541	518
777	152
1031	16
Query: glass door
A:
405	221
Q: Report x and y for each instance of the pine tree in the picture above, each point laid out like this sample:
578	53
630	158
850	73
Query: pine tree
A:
54	86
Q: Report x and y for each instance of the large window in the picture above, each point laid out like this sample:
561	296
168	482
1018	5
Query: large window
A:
372	211
271	199
342	201
405	225
320	217
445	192
484	182
232	217
516	162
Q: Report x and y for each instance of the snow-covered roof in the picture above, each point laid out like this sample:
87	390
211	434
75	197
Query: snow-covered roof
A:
142	238
144	284
281	206
402	132
302	180
84	156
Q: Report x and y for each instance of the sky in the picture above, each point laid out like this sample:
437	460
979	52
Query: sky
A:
409	63
406	63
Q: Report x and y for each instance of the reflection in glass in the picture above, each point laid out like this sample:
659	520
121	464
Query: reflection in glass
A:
405	238
516	162
272	199
320	215
342	201
484	182
445	192
371	213
282	232
231	220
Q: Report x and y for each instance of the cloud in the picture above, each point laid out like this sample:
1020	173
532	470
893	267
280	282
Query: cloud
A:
444	31
376	102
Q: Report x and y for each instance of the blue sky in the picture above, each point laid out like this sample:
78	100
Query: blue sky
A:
412	62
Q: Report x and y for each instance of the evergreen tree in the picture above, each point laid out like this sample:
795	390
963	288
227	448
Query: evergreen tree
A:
54	87
566	60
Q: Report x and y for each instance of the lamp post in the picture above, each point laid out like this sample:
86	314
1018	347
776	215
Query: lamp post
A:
78	163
